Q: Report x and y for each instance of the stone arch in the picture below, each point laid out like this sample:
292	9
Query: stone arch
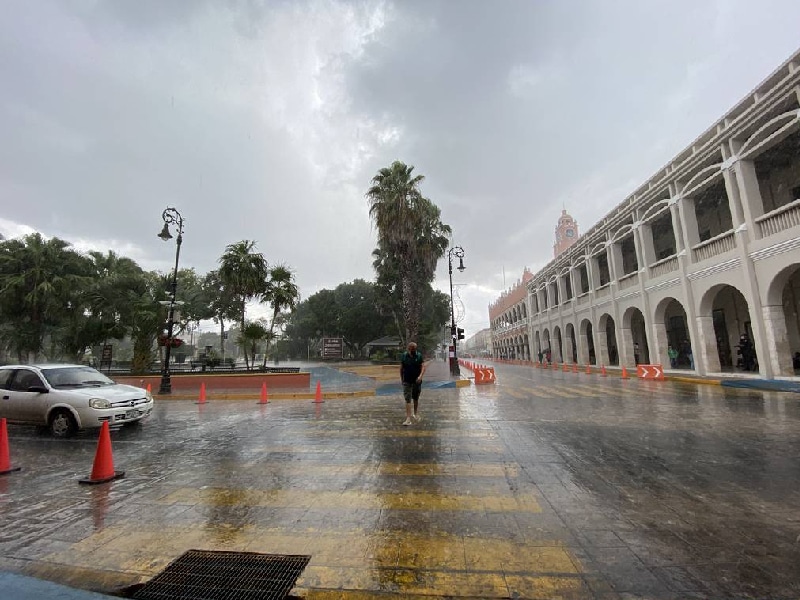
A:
537	345
546	343
726	334
607	340
782	321
558	345
671	325
634	338
571	349
586	351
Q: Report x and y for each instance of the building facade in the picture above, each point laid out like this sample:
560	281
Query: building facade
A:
699	268
478	345
508	319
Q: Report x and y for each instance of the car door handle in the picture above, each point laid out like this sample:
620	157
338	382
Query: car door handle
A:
6	397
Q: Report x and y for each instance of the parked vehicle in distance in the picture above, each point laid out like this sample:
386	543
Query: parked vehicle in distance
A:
67	398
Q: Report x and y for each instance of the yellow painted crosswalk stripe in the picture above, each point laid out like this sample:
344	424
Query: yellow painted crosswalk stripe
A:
355	560
281	498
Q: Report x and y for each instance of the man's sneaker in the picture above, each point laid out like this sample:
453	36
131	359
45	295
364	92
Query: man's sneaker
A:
407	421
416	418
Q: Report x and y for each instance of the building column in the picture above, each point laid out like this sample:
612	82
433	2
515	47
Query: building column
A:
661	343
742	237
601	346
625	343
778	350
644	235
705	349
583	347
568	348
614	252
680	218
593	271
691	234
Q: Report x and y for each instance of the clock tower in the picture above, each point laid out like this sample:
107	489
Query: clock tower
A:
566	233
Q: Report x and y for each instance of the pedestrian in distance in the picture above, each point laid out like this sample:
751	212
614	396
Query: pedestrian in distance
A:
412	368
673	357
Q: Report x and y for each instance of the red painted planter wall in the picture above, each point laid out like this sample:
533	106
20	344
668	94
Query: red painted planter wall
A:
222	381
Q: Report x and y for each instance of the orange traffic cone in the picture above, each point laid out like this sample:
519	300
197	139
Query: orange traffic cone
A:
264	395
624	373
202	399
318	396
603	371
565	368
103	468
149	388
588	370
574	367
5	457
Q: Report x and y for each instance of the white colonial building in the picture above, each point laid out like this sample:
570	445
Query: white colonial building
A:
703	253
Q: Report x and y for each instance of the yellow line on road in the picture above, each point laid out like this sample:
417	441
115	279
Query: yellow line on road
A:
365	561
229	497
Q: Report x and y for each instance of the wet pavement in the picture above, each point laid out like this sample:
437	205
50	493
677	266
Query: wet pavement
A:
544	485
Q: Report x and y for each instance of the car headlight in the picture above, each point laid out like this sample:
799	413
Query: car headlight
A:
149	396
100	403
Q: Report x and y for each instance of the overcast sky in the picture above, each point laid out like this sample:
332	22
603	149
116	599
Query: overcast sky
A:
267	120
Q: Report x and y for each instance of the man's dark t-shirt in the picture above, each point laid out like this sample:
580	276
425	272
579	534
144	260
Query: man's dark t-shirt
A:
411	365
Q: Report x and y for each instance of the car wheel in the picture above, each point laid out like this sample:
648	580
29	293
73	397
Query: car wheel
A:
62	424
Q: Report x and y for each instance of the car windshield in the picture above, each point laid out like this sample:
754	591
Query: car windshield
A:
74	377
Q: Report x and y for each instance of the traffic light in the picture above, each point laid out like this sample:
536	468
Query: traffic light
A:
460	333
452	330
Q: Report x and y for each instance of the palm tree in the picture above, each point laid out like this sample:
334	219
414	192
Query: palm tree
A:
243	272
410	234
281	291
252	333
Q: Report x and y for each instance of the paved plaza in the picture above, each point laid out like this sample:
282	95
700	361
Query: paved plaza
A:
544	485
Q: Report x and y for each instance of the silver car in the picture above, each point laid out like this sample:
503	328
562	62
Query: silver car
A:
66	398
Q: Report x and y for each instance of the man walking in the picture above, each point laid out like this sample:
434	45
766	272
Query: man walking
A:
412	368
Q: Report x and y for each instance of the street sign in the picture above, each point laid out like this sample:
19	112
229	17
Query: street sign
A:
332	348
105	356
650	372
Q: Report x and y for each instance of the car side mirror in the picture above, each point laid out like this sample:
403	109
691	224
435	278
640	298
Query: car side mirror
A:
39	389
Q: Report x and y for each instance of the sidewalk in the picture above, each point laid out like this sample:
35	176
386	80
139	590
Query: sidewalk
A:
20	587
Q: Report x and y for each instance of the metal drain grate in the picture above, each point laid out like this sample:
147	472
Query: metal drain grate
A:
219	575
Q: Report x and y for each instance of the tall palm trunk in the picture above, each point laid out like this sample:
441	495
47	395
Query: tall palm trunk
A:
410	304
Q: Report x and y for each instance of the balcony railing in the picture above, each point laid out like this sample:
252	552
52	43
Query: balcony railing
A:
664	266
628	280
780	219
602	291
724	242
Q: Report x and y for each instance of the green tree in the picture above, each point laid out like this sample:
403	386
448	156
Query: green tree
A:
410	234
221	304
251	335
282	293
243	272
101	307
40	284
358	316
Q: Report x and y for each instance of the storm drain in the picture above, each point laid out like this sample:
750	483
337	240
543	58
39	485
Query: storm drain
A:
219	575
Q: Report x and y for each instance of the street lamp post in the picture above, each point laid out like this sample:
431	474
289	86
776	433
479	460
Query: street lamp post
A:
171	217
458	252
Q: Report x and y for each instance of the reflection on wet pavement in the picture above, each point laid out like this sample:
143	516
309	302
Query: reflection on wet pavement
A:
547	484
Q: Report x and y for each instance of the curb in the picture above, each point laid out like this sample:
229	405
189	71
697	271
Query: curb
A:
210	395
696	380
